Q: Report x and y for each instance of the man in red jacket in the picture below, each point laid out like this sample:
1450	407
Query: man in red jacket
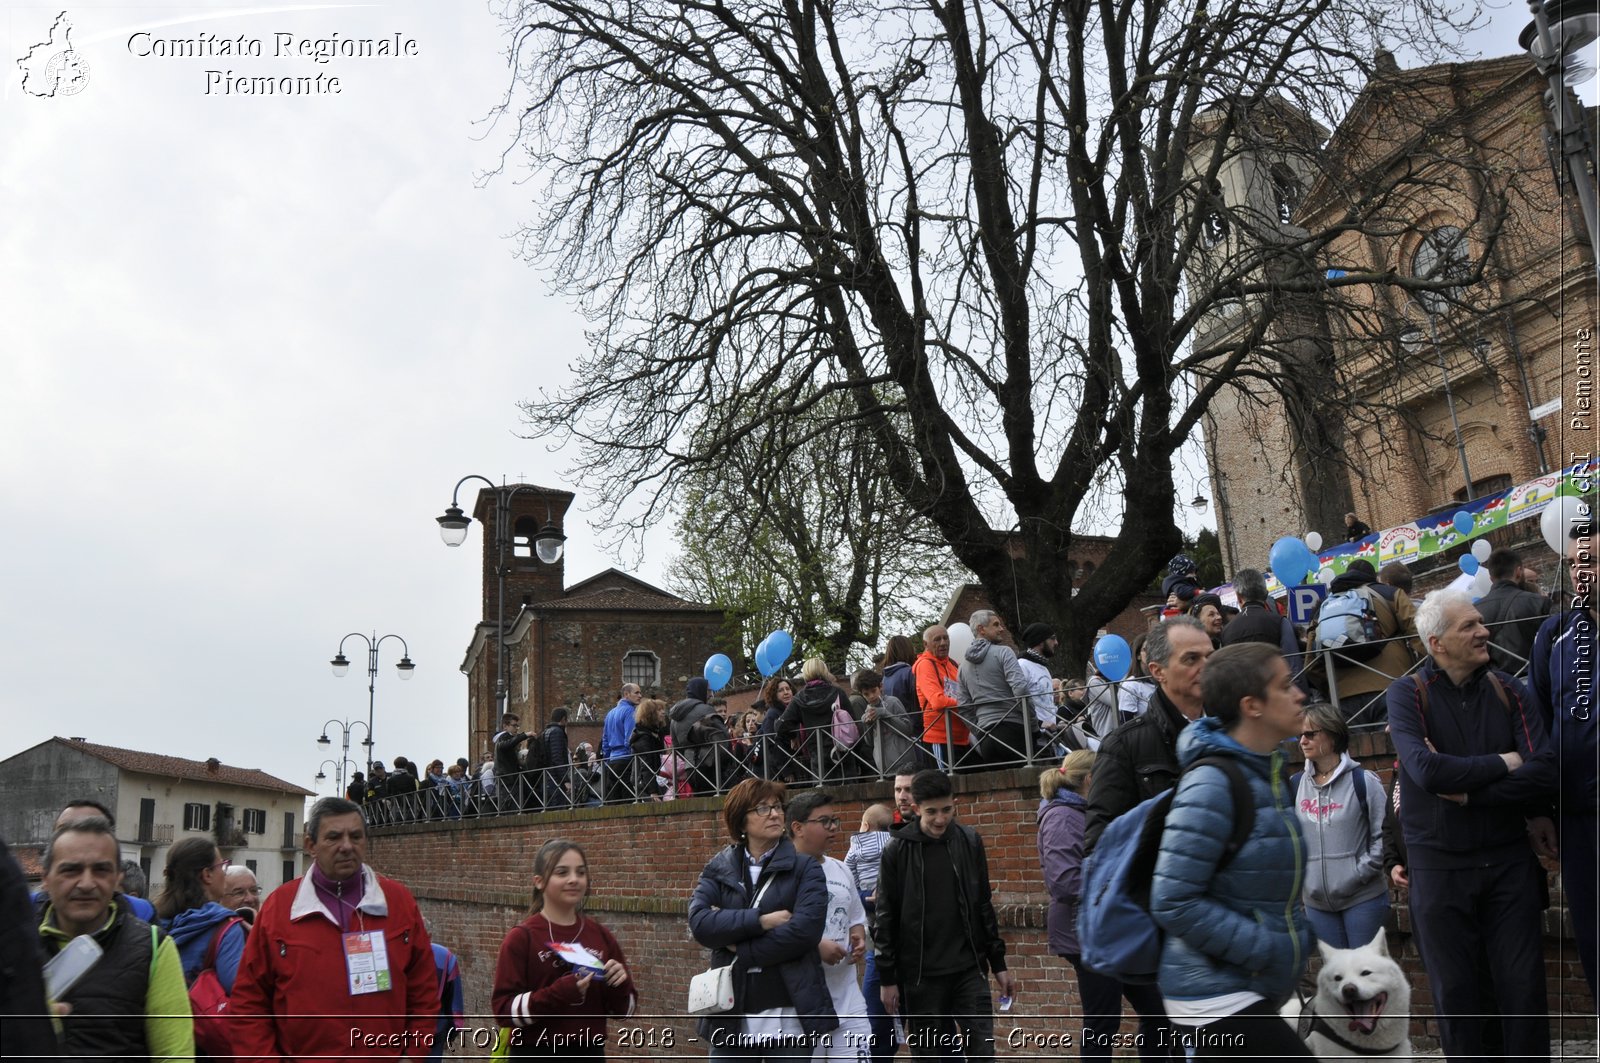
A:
339	964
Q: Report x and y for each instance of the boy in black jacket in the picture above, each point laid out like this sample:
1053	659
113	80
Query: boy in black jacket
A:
933	882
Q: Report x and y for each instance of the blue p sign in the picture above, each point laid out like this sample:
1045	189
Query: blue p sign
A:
1303	601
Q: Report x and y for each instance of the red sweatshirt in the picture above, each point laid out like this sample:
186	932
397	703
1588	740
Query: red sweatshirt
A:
536	992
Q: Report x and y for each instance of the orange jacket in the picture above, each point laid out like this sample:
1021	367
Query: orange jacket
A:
936	690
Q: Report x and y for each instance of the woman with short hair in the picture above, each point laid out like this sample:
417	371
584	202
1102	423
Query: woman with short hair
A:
1340	806
761	906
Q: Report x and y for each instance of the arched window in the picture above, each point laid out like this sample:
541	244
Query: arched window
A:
1285	194
1214	227
641	667
523	533
1441	256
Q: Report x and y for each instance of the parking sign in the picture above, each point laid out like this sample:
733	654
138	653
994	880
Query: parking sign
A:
1303	601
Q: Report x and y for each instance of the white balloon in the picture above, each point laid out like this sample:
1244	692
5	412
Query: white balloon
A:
1559	517
1313	540
1481	583
1325	576
1481	550
960	639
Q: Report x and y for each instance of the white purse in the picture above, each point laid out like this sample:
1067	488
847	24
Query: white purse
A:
711	991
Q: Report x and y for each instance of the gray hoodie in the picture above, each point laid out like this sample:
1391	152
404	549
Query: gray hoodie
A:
1344	848
992	679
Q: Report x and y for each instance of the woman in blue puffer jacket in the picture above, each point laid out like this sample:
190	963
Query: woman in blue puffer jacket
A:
1236	936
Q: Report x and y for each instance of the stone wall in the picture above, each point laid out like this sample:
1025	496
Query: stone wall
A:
471	879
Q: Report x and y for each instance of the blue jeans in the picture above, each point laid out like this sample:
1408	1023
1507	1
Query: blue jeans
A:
882	1023
1352	927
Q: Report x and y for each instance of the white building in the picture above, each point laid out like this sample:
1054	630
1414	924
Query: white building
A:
256	819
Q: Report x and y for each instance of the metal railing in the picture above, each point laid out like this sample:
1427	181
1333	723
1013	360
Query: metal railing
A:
1005	733
883	748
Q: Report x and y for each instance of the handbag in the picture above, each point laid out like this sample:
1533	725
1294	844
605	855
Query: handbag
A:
711	992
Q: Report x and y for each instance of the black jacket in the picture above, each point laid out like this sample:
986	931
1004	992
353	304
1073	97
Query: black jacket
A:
902	919
1513	615
555	747
723	919
1256	623
812	708
506	761
25	1028
1137	761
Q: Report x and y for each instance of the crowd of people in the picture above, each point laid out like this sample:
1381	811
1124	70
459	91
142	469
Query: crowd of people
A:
898	942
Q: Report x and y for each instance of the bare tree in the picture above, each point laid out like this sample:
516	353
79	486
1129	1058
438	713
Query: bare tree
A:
979	238
829	552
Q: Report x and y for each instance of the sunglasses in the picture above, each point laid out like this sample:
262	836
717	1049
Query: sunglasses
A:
1308	735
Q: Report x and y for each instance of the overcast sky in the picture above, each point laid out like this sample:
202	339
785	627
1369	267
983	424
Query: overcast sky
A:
250	343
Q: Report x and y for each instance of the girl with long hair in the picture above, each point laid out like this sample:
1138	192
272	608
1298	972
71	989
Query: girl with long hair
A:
191	912
544	991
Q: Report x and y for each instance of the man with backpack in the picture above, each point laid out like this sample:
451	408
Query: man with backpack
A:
1138	761
1364	632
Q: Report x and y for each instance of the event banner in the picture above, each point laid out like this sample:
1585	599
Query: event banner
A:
1427	536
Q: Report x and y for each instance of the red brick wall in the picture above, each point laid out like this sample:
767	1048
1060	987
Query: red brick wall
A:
472	881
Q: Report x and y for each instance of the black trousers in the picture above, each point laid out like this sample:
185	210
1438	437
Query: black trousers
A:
1470	918
949	1015
1101	996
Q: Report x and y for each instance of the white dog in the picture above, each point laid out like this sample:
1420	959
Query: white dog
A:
1362	1006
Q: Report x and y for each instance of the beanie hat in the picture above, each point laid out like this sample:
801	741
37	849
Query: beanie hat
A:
1035	633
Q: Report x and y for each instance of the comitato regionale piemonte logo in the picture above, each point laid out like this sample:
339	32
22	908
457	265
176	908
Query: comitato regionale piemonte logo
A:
53	67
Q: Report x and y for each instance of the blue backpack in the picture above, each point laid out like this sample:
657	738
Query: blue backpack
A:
1117	936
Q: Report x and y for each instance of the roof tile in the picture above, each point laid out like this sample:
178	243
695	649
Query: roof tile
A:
182	768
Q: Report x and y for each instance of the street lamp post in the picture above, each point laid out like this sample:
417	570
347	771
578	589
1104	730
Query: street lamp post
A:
1556	37
1411	340
338	768
341	665
548	545
344	727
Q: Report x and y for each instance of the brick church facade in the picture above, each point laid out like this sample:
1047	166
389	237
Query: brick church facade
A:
1446	170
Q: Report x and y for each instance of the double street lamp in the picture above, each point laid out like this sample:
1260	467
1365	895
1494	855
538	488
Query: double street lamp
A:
344	728
341	665
548	545
338	769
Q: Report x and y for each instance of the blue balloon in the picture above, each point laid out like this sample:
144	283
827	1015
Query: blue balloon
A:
1290	560
764	663
1463	522
1468	564
718	670
1113	657
779	646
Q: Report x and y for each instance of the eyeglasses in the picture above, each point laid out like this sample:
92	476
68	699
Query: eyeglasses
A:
831	822
245	891
220	865
1308	735
768	810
